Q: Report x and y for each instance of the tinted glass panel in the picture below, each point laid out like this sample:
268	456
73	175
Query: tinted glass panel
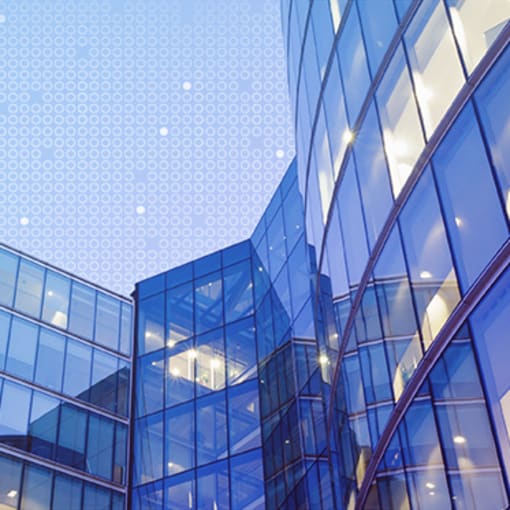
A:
8	269
36	492
77	369
22	347
81	321
50	360
29	288
107	321
56	299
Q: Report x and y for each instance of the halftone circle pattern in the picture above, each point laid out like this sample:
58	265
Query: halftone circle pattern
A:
137	135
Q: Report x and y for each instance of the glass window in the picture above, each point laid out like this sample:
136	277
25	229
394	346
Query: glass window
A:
247	481
151	326
8	270
210	355
22	347
56	299
43	425
353	228
379	24
180	439
29	288
212	487
207	264
107	321
238	291
180	375
66	493
36	492
243	415
373	175
4	337
211	428
402	134
179	314
276	244
119	458
478	490
494	108
72	435
81	320
353	385
50	359
148	446
431	50
241	351
428	489
322	161
208	302
375	373
293	216
9	482
428	255
125	328
465	178
100	446
354	67
104	380
14	410
180	491
95	498
77	369
150	377
477	25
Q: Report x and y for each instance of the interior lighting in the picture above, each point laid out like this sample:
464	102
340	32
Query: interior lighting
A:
459	439
430	485
12	494
425	275
348	136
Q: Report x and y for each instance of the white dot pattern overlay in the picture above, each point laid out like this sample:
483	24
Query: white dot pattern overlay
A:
136	135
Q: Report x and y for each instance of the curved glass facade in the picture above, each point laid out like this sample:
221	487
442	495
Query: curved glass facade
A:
402	123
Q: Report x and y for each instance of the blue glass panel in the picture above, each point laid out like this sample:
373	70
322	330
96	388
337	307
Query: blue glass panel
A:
355	68
149	497
10	482
352	381
241	351
211	428
478	490
103	389
212	487
125	328
372	174
428	489
393	492
208	302
14	410
236	253
4	336
375	374
149	391
180	491
180	373
465	178
56	299
151	286
180	439
151	325
148	455
77	369
50	359
323	33
95	498
8	270
67	493
44	425
81	319
247	481
36	493
179	275
238	293
100	446
210	354
492	100
293	215
22	347
276	244
72	436
107	321
244	418
402	7
336	256
119	460
179	313
29	288
208	264
299	276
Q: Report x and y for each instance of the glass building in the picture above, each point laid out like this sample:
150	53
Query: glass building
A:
352	354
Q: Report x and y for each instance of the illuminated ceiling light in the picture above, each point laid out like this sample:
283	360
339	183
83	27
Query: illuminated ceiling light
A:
348	136
192	354
175	372
425	275
459	439
154	363
431	493
430	485
323	359
171	343
215	363
170	464
50	293
287	441
458	221
12	494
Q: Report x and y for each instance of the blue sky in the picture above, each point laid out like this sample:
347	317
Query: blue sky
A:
137	135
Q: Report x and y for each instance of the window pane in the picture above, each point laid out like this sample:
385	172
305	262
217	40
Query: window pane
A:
100	446
148	458
179	313
50	359
210	362
238	291
9	482
44	425
8	269
212	487
476	25
29	289
180	491
151	326
180	375
77	369
431	50
36	492
107	321
211	428
71	439
149	392
67	493
465	178
247	481
4	337
403	139
22	347
103	388
14	410
81	321
95	498
125	328
241	351
208	302
180	439
56	299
